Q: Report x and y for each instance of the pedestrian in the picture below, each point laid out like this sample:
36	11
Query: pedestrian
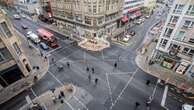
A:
115	65
68	64
53	60
96	81
89	78
147	58
93	70
87	69
148	82
137	104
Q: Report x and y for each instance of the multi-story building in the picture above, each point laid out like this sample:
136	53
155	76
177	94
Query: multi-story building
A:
14	65
132	9
175	47
28	7
150	5
8	3
91	18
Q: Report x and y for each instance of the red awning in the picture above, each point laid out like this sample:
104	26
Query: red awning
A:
138	13
124	19
133	9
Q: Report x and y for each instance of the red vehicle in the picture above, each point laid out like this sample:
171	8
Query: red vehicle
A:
47	37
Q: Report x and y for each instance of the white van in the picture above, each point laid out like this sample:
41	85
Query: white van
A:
187	107
32	36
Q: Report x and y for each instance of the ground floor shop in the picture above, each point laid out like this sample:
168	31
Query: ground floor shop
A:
174	63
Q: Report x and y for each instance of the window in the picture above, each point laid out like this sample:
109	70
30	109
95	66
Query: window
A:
173	20
4	55
17	49
188	52
100	20
168	32
88	20
191	40
6	29
180	36
178	8
190	10
163	43
188	24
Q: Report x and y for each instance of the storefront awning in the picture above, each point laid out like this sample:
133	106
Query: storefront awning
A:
138	13
124	19
133	9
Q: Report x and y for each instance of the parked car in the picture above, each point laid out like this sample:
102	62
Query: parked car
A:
147	16
140	20
187	107
132	33
24	26
44	46
23	16
32	36
17	17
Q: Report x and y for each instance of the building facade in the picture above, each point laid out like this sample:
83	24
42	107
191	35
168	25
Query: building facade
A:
175	47
87	18
27	7
132	9
14	65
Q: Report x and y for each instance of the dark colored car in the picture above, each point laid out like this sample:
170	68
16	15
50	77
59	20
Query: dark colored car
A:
24	26
132	33
44	46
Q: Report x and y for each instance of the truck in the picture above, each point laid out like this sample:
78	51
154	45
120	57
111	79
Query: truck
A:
47	37
33	37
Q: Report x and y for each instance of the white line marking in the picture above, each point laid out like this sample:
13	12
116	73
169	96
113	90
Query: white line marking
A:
164	96
69	105
33	92
80	102
36	96
55	78
123	90
53	50
121	73
109	88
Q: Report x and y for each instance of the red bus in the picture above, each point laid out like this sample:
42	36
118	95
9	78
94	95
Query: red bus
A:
47	37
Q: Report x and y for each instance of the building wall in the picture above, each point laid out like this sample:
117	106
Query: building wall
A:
88	16
30	7
11	53
131	4
176	38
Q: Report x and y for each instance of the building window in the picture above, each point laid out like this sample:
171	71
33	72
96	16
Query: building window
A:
168	32
100	20
1	57
6	29
190	10
178	8
88	20
191	40
188	52
188	24
173	20
163	43
180	36
17	49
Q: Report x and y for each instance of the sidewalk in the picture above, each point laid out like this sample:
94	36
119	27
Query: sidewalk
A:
60	98
35	59
165	74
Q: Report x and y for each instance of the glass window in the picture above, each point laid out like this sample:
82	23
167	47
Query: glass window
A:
180	36
188	24
168	32
17	49
1	57
6	29
190	10
178	8
163	42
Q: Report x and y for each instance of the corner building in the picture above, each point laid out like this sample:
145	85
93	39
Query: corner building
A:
87	18
175	47
13	63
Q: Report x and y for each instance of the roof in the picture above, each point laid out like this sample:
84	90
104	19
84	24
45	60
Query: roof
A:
44	32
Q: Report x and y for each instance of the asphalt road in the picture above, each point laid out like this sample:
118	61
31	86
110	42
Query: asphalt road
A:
117	89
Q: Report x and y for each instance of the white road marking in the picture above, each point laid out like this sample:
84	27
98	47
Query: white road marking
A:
55	78
69	105
33	92
102	55
80	102
123	90
164	96
110	91
120	73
